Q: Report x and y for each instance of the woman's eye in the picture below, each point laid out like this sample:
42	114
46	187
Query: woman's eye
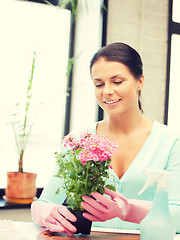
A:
99	85
119	82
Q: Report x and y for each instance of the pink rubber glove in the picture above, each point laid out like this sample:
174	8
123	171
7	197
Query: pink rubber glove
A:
54	217
130	210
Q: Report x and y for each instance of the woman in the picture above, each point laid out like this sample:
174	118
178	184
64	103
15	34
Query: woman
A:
117	74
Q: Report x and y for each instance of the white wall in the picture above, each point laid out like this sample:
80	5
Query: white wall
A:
143	24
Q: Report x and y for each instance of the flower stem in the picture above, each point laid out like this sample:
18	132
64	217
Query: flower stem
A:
87	173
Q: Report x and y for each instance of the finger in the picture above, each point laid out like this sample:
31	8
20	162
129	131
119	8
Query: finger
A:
91	217
67	214
101	198
110	193
57	218
114	194
65	223
93	203
95	212
68	232
57	227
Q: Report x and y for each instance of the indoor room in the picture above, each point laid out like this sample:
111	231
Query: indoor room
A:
47	91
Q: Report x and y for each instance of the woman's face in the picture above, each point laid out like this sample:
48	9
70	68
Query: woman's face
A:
116	89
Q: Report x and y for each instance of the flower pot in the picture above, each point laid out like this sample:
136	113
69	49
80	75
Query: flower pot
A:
20	186
82	224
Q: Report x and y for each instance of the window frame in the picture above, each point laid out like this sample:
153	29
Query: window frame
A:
173	28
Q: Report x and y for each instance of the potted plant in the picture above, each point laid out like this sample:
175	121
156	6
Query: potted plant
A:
21	185
84	167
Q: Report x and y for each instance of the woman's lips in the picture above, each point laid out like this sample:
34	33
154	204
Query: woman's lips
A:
111	102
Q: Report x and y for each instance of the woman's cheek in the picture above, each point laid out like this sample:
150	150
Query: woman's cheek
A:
97	94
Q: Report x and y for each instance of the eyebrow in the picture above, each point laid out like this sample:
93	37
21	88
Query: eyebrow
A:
113	77
118	75
97	79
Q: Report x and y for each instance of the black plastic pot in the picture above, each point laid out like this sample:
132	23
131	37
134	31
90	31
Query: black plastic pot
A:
82	224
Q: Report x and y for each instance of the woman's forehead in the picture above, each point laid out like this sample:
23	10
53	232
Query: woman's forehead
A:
103	67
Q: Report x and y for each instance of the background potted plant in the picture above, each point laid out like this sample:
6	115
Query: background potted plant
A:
21	185
84	166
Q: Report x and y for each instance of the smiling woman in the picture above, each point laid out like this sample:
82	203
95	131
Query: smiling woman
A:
115	86
118	78
117	67
117	73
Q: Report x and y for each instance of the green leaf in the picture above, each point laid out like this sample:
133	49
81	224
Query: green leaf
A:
110	187
101	190
57	191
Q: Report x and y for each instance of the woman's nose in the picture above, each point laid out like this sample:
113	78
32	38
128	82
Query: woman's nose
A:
108	90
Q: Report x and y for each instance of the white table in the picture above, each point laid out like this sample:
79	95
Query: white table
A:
30	230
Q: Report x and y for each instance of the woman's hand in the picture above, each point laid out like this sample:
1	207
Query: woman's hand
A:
54	217
101	208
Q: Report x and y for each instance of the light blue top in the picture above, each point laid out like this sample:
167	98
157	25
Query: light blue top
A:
162	151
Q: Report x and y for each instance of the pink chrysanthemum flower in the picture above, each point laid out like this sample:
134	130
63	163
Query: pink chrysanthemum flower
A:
91	146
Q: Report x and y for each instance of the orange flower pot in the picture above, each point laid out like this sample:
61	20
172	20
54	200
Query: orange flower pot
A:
20	186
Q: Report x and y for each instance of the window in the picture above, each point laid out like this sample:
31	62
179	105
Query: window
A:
174	96
176	11
173	118
27	27
84	106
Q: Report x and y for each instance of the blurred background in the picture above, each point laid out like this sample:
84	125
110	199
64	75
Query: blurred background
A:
63	100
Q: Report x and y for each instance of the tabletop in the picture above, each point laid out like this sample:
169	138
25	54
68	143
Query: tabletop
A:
46	235
30	231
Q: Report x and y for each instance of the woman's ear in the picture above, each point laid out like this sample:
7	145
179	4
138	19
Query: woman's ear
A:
140	83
